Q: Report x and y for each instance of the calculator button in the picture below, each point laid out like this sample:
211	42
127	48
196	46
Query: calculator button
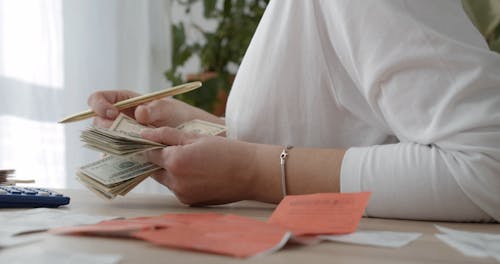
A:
43	193
3	192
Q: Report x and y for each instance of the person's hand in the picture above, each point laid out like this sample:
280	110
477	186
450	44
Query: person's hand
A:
202	170
158	113
101	102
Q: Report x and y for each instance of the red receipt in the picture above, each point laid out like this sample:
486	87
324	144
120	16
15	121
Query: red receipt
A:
230	235
324	213
126	227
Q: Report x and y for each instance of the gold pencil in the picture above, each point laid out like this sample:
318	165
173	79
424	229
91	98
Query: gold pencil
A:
137	100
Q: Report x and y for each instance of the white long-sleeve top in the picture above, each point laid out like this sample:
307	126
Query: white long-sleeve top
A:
410	88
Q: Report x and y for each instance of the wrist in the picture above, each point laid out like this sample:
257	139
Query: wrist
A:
266	174
244	170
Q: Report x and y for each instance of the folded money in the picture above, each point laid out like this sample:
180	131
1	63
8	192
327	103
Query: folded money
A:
6	178
5	175
123	137
113	175
125	166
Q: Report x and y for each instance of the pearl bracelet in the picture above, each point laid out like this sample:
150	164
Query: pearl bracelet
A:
283	156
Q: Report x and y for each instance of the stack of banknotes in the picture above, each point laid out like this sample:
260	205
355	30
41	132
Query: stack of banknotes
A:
124	165
5	176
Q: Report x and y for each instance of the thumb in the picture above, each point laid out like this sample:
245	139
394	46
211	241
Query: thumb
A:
167	135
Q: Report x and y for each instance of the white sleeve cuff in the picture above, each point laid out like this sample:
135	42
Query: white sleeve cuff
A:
350	174
407	181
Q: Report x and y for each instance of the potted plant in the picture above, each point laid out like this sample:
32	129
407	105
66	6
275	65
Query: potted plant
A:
485	14
217	51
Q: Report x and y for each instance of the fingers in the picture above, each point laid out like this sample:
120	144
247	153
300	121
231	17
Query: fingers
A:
157	113
164	159
166	179
171	159
173	175
163	178
102	102
168	136
156	156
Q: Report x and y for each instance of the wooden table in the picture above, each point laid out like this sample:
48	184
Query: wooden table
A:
426	249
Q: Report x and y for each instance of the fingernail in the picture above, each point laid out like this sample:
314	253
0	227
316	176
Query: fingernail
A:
143	113
151	114
111	113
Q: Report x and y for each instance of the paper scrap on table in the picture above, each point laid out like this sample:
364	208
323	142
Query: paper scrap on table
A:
59	256
39	219
126	227
375	238
320	214
208	232
314	214
230	235
472	244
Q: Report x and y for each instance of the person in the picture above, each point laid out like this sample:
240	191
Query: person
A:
399	98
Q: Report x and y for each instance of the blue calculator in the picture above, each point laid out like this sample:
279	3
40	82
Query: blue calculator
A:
29	197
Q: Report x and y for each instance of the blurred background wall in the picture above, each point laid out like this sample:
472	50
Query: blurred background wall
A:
53	54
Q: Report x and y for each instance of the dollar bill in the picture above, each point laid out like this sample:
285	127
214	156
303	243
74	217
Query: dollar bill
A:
114	176
122	138
112	170
125	166
202	127
128	126
7	171
5	176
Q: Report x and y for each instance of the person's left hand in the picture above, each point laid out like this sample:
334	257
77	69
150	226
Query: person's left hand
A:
202	170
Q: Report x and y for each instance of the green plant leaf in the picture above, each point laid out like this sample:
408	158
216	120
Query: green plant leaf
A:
236	23
227	9
485	15
209	10
178	40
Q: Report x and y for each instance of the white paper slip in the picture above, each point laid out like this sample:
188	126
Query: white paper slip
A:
472	244
58	257
375	238
39	219
306	240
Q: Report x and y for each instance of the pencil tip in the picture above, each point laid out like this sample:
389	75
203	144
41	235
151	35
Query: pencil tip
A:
62	121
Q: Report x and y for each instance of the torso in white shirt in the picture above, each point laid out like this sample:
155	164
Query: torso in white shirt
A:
286	93
347	74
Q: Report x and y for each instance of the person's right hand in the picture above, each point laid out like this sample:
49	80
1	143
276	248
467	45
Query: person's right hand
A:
101	102
158	113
